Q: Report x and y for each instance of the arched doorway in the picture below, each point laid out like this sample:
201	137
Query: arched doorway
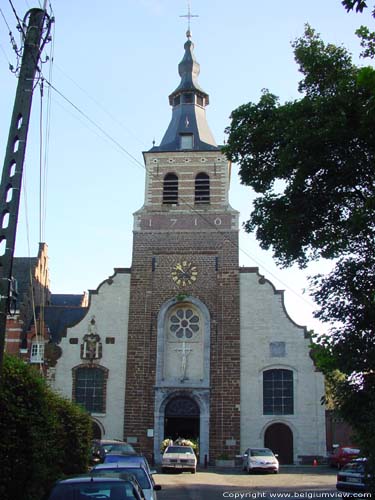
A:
279	438
96	430
181	418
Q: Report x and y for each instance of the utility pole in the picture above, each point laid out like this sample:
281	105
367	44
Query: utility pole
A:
11	181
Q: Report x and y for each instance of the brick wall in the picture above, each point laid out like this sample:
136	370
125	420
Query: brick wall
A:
216	257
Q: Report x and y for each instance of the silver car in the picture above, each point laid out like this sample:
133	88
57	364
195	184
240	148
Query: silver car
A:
145	480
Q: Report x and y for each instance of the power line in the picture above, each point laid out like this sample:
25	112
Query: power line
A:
191	207
85	115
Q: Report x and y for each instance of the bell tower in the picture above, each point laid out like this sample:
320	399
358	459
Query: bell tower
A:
183	354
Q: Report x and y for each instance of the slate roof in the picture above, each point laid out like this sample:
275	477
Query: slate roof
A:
66	299
188	117
59	318
21	272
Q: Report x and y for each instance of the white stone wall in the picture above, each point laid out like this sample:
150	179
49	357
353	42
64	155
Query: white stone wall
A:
265	320
110	307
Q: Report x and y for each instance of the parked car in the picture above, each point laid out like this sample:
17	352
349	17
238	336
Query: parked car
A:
354	476
145	480
343	455
179	458
89	487
260	459
112	458
100	448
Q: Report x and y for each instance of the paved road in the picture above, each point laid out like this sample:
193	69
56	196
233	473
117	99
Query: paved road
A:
216	484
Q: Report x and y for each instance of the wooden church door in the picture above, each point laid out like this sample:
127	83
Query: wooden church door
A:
279	439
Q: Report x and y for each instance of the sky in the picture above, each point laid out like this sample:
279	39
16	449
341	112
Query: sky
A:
113	65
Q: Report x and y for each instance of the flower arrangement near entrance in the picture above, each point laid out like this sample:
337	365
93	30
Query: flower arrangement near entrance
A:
180	442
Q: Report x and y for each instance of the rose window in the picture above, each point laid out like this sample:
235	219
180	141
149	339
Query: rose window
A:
184	323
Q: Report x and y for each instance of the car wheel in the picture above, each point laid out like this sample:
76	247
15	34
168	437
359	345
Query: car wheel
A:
164	470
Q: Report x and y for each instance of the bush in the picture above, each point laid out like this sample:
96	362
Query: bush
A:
43	436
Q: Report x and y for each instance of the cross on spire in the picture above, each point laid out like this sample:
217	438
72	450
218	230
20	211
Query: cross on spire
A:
189	15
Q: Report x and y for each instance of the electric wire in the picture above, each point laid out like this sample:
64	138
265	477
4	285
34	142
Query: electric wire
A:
136	161
30	274
103	108
96	125
6	22
191	207
12	40
48	133
5	55
20	23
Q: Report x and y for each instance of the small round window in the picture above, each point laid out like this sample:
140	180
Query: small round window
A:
184	323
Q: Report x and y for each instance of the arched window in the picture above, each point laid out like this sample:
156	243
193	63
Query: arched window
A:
170	189
202	188
278	392
89	388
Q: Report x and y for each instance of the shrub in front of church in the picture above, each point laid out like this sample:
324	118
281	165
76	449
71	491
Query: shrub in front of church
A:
73	435
36	438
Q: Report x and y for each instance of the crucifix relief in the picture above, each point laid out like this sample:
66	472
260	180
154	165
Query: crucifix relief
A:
185	351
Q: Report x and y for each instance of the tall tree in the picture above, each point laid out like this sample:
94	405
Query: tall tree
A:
367	37
311	161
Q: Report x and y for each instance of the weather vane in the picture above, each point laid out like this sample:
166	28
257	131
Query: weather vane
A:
189	15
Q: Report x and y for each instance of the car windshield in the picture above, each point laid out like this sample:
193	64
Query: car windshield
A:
179	449
138	472
91	491
261	453
119	448
354	467
350	451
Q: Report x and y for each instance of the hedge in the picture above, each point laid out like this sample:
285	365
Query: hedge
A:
43	436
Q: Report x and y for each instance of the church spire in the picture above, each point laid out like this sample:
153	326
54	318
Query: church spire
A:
188	129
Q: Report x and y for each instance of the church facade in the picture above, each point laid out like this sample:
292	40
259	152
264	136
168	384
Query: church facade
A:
185	343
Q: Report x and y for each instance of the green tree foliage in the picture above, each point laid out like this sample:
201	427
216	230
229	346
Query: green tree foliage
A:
311	159
312	163
43	436
367	37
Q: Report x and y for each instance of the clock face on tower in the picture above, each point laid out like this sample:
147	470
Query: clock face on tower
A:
184	273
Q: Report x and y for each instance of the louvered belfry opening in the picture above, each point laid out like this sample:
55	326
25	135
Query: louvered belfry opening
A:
202	189
170	189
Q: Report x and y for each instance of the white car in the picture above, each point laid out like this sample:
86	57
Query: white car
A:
260	459
181	458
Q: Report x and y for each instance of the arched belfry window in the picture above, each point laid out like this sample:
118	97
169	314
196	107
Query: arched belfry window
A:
202	188
278	392
170	189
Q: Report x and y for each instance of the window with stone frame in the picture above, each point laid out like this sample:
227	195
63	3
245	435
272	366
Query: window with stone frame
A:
202	189
170	189
278	392
90	388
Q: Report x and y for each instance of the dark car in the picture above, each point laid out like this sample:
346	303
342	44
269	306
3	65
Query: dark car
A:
343	455
101	447
91	487
354	477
